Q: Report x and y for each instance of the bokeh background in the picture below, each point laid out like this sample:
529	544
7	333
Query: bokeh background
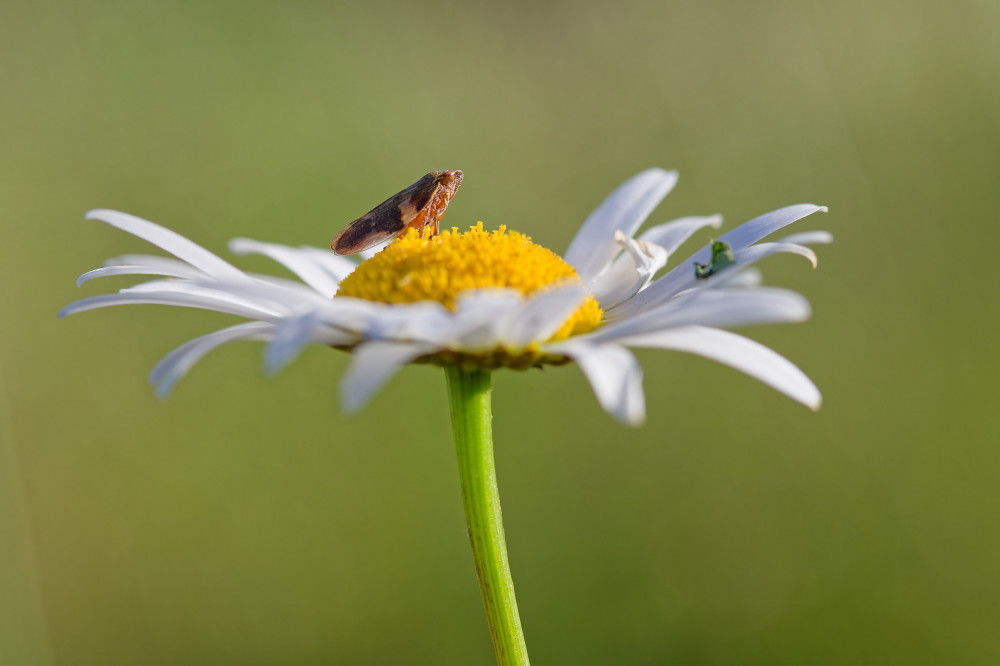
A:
245	520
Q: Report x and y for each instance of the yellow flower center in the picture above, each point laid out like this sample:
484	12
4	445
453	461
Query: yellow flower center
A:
420	267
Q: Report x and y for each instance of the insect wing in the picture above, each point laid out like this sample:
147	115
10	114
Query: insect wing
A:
382	223
409	208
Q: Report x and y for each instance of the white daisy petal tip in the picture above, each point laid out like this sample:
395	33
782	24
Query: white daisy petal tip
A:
97	213
790	248
809	238
243	246
614	374
163	390
172	367
372	365
738	352
285	347
171	241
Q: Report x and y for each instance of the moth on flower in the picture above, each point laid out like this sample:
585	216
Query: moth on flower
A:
419	205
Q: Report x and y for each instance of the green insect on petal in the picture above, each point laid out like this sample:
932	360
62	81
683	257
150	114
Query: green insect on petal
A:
722	256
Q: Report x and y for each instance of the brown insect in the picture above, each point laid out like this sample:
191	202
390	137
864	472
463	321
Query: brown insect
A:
419	205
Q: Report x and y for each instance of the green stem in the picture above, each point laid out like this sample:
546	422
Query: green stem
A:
471	418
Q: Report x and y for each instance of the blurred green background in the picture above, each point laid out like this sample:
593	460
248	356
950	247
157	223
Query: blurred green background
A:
246	521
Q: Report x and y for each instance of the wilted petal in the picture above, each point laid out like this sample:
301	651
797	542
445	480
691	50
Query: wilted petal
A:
630	272
624	210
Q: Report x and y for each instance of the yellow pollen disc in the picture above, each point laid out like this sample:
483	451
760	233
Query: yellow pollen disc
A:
420	267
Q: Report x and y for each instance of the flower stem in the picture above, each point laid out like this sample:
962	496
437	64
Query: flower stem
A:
471	418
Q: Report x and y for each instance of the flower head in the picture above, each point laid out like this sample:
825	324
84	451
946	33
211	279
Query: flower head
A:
491	299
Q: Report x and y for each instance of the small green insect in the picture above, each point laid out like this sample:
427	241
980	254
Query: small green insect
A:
722	256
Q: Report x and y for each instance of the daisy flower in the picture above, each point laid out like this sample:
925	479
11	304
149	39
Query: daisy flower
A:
489	299
481	300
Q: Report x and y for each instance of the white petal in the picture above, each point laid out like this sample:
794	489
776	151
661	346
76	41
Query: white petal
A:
204	302
288	284
760	250
614	374
683	277
292	335
276	294
716	307
488	302
670	235
172	242
126	269
264	299
373	363
169	264
352	315
486	313
809	238
177	363
624	210
425	321
629	273
743	278
542	315
294	260
297	331
760	227
337	266
737	352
